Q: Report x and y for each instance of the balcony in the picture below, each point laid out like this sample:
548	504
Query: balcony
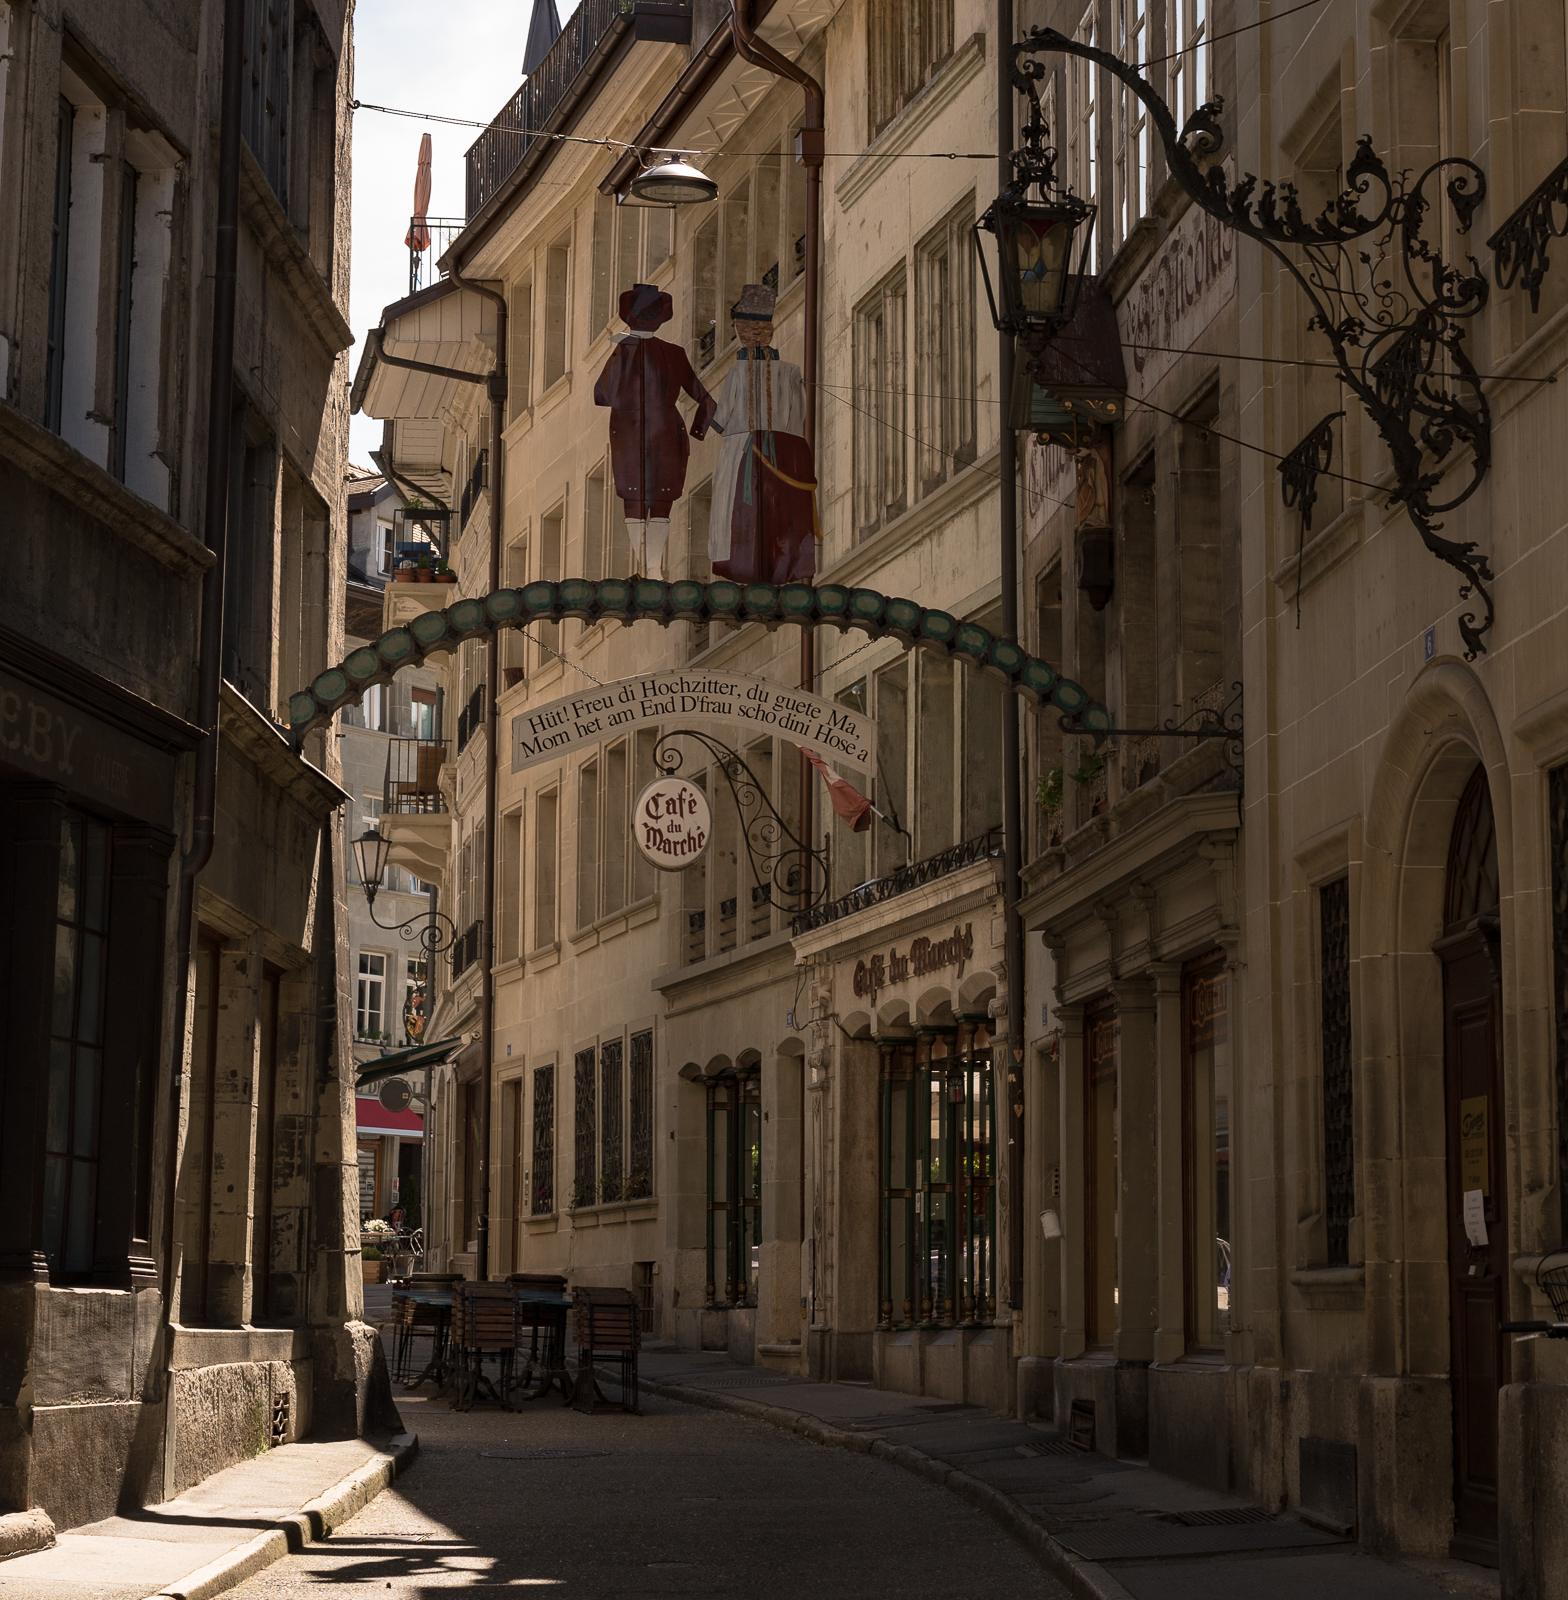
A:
478	482
465	950
546	99
471	718
414	807
917	873
428	238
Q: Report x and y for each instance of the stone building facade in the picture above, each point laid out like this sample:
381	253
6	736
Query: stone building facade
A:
179	1288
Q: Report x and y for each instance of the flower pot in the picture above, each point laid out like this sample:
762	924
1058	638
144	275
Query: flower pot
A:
425	577
446	577
372	1270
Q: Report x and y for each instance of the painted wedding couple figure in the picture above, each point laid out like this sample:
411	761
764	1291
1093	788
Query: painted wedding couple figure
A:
763	525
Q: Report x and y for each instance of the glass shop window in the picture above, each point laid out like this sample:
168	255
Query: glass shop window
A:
1206	1099
937	1234
734	1188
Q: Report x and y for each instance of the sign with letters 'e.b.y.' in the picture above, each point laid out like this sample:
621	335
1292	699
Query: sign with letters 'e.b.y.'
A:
749	707
672	823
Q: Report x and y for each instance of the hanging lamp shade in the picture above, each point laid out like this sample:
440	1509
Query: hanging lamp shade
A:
371	849
1034	248
673	183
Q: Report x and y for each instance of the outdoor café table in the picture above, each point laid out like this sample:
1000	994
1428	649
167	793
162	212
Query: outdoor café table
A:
425	1311
542	1316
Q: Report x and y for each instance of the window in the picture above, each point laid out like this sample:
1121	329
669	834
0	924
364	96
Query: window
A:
881	485
946	345
607	551
612	1125
1190	63
1101	1184
545	868
557	276
268	86
509	886
1083	127
585	1185
935	811
415	1009
266	1121
765	208
699	507
639	1158
515	644
374	708
1206	1102
469	1239
908	41
515	1092
630	244
76	1045
370	999
735	1186
125	269
1339	1172
616	807
694	897
588	844
1200	600
892	714
705	294
552	537
59	262
249	574
1131	131
543	1179
938	1233
422	713
986	703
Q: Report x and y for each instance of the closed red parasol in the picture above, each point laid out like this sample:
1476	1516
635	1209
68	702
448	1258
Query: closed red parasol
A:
418	236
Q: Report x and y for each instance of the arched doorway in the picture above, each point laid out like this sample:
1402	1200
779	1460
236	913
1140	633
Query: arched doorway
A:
1477	1218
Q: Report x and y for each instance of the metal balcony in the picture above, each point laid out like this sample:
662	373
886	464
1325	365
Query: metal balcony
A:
412	782
428	238
878	890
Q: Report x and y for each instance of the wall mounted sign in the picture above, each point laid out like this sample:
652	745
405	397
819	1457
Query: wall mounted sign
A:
672	823
749	707
923	957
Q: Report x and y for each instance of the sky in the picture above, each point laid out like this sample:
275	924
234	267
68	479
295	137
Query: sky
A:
461	58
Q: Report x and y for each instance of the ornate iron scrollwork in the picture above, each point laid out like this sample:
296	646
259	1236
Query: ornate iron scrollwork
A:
1300	470
1206	722
783	866
1519	246
1399	349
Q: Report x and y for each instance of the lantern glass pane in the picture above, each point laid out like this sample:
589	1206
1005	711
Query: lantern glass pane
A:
1037	245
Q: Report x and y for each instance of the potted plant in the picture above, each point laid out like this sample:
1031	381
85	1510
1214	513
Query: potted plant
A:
404	572
424	574
444	573
371	1264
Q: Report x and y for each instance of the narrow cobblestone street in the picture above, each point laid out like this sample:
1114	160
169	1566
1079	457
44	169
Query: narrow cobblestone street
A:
679	1501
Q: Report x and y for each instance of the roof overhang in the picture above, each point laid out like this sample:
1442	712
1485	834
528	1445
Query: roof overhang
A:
445	325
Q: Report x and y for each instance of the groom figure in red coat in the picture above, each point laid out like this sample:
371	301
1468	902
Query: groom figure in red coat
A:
648	443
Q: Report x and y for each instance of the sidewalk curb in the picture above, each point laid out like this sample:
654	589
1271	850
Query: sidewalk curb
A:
1087	1580
313	1522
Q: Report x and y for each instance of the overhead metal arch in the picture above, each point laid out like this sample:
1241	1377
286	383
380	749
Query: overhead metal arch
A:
827	605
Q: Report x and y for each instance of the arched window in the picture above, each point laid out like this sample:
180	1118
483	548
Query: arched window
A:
1472	855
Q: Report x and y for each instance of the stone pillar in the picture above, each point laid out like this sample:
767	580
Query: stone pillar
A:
1137	1203
1170	1338
233	1154
291	1146
778	1289
856	1209
1070	1084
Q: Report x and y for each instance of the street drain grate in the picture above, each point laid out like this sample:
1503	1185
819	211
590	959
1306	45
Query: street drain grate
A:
539	1455
744	1380
1048	1447
1225	1516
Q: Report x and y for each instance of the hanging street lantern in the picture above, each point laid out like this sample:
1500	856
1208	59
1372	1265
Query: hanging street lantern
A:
371	850
673	183
1035	227
432	931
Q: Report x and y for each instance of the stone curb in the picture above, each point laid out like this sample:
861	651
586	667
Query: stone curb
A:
1087	1580
22	1531
314	1521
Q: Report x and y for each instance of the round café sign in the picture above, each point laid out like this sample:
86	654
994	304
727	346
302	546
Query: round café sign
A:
673	823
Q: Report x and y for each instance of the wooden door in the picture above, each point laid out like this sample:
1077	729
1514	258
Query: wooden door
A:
1473	1100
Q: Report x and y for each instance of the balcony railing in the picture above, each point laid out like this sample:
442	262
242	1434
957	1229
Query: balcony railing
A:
428	238
496	154
412	783
422	531
465	950
986	845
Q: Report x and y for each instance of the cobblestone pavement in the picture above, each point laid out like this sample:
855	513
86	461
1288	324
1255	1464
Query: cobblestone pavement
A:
679	1501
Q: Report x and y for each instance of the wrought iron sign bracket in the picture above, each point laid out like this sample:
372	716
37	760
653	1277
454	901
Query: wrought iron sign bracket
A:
782	864
1519	246
1399	349
1207	722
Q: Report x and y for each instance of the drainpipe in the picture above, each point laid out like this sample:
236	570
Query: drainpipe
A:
810	152
1012	761
496	389
220	414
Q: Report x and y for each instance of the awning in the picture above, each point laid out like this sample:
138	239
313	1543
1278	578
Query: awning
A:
371	1118
446	325
414	1059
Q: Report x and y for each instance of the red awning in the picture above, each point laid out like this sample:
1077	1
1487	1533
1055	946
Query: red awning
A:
371	1117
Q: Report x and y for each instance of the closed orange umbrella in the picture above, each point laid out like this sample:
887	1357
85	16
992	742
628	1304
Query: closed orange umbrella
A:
418	237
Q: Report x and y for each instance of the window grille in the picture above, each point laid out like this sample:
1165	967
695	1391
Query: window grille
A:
584	1186
1557	805
544	1141
265	102
1339	1174
639	1172
611	1125
908	41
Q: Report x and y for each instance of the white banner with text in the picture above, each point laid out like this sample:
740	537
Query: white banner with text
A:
748	707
